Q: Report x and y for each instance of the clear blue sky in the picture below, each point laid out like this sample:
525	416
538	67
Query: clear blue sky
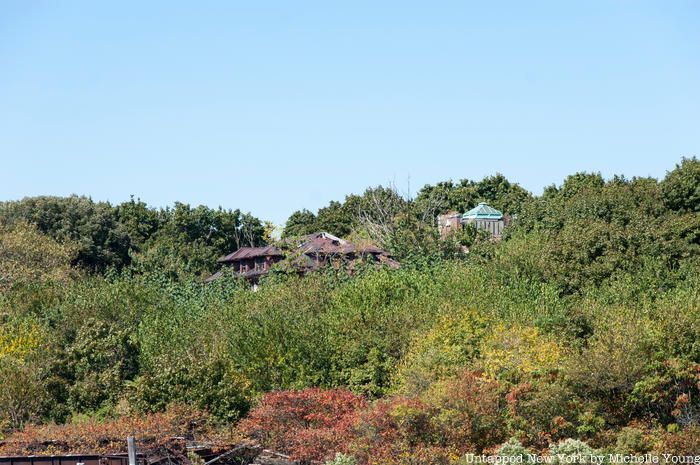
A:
275	106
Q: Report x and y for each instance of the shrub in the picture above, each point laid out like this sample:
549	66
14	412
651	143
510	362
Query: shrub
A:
448	347
21	395
100	359
24	359
541	412
469	411
342	459
681	443
511	353
20	340
309	425
572	451
212	385
671	393
28	256
399	430
589	422
515	452
454	416
612	363
94	436
632	440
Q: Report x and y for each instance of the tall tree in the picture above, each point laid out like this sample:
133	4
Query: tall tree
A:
681	187
466	194
334	219
299	223
102	241
26	256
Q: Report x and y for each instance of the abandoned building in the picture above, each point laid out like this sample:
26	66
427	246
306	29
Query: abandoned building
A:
249	262
482	217
305	254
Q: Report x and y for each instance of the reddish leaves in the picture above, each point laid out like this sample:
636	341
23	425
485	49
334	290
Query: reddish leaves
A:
152	431
462	414
309	425
455	416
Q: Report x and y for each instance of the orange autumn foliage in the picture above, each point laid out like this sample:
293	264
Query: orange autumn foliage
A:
92	436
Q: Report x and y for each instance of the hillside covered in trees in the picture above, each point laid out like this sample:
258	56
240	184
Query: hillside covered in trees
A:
581	324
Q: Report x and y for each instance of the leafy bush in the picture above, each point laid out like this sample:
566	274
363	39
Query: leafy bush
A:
632	441
342	459
671	394
511	353
469	411
454	416
92	436
212	385
24	360
311	424
450	345
22	394
680	443
573	451
27	256
399	430
514	452
612	363
541	412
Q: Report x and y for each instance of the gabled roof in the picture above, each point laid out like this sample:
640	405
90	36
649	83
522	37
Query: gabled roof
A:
313	252
251	252
316	243
323	242
482	212
326	243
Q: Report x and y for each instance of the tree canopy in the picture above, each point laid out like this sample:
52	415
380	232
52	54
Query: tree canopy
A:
577	331
112	237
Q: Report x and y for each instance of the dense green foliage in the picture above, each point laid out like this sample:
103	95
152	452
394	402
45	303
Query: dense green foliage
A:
178	239
462	196
342	218
584	321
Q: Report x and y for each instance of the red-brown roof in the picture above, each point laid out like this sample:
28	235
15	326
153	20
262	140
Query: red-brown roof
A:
251	252
313	247
323	242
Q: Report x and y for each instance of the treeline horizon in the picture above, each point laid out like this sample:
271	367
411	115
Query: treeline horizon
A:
110	235
581	325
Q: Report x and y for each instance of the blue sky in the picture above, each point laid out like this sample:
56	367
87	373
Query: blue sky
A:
275	106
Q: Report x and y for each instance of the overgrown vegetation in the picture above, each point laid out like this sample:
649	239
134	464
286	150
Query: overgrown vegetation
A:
582	324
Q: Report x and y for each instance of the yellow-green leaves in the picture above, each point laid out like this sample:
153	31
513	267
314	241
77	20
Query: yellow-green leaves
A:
19	342
28	256
511	352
